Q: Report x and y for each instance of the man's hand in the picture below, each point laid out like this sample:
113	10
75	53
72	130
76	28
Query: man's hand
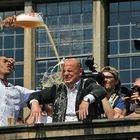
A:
36	112
117	115
83	110
9	21
134	96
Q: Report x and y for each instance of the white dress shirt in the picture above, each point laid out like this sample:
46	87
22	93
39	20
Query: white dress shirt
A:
12	99
71	96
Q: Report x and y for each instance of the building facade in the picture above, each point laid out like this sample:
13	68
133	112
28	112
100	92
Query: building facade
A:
105	30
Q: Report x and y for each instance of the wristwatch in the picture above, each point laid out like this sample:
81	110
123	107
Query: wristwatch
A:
86	99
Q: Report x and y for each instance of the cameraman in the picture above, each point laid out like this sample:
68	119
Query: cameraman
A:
135	98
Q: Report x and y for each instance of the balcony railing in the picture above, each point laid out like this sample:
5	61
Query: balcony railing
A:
115	129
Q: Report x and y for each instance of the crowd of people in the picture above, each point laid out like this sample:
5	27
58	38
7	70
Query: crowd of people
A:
75	99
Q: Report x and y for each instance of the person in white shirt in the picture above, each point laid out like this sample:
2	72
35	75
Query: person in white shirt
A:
12	98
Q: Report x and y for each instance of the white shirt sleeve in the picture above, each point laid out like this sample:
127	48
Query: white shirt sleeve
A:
90	97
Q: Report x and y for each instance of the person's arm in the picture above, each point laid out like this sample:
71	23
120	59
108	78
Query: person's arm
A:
97	91
8	22
39	98
119	108
93	92
44	96
109	112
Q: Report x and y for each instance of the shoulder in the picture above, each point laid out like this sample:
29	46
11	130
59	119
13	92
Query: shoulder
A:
23	89
89	81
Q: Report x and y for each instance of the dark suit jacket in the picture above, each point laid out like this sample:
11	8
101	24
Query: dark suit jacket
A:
58	96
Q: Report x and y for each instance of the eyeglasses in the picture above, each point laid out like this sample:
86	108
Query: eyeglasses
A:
108	77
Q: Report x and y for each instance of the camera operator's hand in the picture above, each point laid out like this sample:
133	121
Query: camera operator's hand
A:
134	96
125	98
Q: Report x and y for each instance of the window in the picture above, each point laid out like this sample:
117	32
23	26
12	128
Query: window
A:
122	51
70	25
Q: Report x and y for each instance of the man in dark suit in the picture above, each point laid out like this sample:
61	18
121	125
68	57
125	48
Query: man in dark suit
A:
75	99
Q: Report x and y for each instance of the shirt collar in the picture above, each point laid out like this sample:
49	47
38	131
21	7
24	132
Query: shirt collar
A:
75	86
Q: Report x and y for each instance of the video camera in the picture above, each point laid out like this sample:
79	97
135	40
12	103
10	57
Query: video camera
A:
98	76
126	92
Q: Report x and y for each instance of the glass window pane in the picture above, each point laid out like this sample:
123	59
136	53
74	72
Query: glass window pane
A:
0	53
77	35
52	9
19	70
43	51
9	30
135	32
87	34
113	7
1	41
87	48
113	33
124	6
41	67
19	41
124	18
65	36
19	81
64	8
9	53
135	62
124	33
125	76
65	49
113	19
75	7
135	5
135	17
64	21
124	63
135	74
8	39
76	20
113	48
87	6
124	47
19	31
113	62
42	37
41	8
77	48
87	18
52	21
19	55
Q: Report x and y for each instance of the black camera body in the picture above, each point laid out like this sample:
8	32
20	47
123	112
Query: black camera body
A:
92	73
97	76
126	92
134	89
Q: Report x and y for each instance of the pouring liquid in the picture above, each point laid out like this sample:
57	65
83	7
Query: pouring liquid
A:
52	42
28	23
32	24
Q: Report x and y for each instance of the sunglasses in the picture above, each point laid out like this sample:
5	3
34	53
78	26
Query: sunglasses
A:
108	77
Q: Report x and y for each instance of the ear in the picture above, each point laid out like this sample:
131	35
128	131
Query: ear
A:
81	71
117	82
